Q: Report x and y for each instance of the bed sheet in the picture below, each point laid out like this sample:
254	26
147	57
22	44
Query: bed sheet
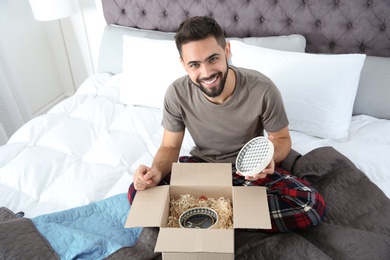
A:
368	147
93	144
83	150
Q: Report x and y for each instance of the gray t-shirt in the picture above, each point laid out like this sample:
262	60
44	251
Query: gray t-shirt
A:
220	131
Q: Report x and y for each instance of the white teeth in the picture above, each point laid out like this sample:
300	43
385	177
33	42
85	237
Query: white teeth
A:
210	81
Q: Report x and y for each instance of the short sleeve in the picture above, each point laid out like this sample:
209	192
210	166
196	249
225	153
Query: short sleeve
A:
172	113
274	113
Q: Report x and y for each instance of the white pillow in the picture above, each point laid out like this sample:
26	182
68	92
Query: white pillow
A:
318	90
149	67
293	42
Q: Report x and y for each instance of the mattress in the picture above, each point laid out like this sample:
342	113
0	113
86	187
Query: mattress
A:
94	144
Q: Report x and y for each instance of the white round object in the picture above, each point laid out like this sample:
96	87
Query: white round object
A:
254	156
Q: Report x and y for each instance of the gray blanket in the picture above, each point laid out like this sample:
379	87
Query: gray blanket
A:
357	223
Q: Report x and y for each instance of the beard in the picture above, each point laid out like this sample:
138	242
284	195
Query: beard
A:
216	90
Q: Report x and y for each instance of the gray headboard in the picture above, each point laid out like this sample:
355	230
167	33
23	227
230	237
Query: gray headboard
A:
329	26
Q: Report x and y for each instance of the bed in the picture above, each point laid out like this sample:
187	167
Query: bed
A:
64	175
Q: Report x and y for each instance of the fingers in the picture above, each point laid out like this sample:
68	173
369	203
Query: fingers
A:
142	177
270	169
255	177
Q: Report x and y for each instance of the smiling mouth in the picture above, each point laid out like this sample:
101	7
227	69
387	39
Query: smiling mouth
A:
210	80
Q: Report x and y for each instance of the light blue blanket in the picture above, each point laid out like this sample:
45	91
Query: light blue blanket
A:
93	231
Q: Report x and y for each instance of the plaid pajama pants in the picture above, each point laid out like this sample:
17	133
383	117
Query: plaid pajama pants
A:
293	203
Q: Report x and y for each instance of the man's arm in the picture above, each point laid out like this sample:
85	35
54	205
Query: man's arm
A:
282	144
145	177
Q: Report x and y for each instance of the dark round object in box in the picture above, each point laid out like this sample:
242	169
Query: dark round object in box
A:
200	217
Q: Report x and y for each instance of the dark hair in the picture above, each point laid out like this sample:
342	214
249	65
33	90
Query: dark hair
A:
199	28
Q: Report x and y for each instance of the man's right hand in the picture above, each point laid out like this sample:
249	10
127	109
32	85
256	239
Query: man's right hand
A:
146	177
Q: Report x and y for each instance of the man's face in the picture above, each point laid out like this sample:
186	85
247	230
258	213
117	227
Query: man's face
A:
206	64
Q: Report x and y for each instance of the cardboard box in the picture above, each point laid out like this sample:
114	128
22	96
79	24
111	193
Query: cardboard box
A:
151	208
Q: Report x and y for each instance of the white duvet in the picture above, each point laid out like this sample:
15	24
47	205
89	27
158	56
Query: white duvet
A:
87	147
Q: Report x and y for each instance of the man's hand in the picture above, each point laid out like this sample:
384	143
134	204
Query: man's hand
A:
270	169
146	177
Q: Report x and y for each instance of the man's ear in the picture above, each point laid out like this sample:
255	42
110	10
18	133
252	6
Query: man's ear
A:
227	50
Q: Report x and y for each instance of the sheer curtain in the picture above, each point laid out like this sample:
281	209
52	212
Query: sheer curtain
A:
14	111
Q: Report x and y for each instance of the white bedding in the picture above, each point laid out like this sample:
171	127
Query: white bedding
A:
368	147
87	147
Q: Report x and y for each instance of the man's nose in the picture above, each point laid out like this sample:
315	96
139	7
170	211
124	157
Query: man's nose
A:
206	71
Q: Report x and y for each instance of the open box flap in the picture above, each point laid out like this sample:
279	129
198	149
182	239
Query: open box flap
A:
150	208
195	240
201	174
250	207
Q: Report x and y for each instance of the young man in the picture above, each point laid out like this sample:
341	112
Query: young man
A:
224	107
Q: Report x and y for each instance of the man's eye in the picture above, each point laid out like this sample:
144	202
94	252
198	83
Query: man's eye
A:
194	65
213	59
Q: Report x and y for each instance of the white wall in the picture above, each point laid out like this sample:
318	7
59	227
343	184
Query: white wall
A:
94	25
27	57
36	58
83	32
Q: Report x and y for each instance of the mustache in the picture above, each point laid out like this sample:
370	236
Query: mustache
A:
212	76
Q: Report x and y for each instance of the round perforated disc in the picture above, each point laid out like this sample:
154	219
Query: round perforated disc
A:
254	156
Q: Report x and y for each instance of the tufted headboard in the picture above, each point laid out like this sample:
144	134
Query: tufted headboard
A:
329	26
